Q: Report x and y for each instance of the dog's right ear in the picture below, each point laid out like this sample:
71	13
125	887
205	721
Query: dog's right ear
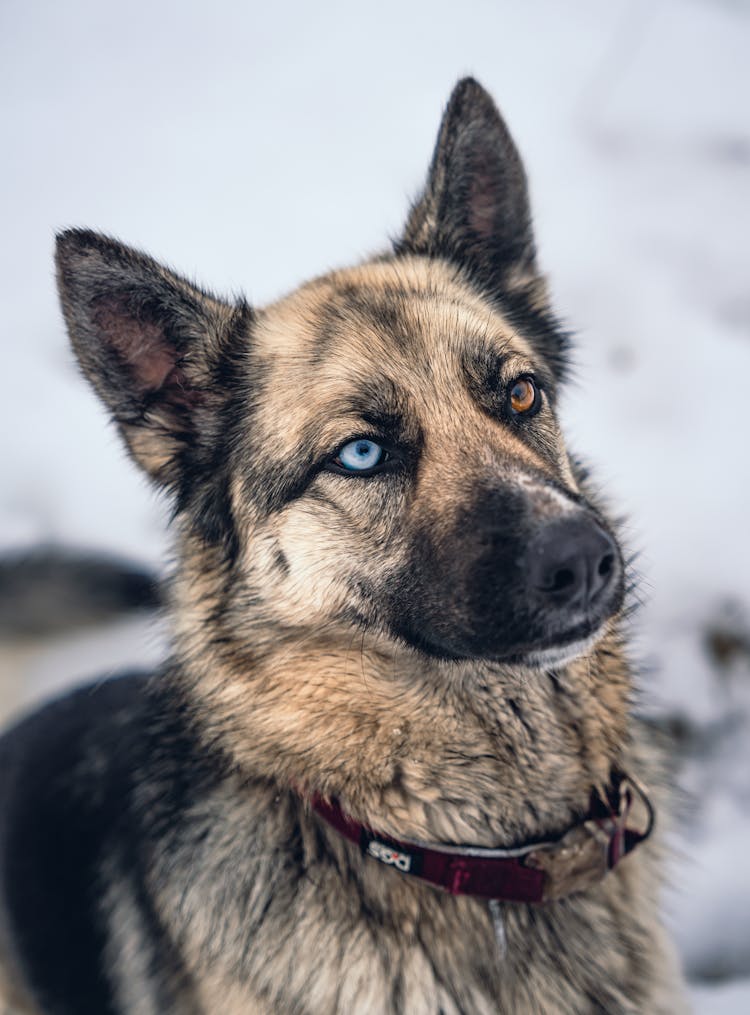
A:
150	343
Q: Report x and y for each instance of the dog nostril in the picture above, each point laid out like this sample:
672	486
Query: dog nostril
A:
606	564
562	579
571	563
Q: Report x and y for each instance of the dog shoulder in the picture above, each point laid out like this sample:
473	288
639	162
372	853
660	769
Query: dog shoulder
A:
62	792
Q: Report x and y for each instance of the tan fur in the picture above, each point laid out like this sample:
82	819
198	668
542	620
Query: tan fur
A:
395	689
14	999
418	749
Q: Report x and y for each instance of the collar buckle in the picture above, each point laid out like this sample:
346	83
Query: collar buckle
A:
577	861
587	851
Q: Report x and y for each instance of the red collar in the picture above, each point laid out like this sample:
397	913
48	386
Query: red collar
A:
536	872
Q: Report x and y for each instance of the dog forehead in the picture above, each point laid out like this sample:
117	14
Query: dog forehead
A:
415	313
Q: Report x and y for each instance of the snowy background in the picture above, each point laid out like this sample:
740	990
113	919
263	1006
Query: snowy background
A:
252	146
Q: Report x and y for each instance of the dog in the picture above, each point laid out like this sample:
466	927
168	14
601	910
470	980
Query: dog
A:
390	766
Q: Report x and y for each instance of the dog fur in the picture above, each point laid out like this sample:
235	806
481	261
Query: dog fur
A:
370	637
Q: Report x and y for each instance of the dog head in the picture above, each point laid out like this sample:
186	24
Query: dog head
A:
380	449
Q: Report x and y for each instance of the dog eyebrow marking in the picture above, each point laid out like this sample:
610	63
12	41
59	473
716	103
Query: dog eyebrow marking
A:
354	308
382	308
483	368
381	405
378	403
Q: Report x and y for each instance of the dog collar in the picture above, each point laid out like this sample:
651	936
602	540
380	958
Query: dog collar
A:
534	873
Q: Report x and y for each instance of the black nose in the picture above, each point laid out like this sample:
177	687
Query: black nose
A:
572	563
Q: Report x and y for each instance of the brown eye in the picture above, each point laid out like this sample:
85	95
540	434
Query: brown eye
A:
523	395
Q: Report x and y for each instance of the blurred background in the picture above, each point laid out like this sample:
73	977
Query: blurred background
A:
250	146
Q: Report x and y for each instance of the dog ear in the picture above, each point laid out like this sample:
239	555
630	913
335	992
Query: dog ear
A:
475	210
151	344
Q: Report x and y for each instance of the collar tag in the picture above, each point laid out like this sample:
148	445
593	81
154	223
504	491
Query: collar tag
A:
389	855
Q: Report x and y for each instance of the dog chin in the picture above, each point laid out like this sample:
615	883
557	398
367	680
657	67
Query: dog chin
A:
561	655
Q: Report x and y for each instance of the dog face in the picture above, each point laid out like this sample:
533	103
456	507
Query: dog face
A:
379	449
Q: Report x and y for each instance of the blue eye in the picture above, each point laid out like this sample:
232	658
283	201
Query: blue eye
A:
361	455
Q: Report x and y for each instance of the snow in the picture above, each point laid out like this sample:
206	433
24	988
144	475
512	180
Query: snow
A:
33	670
251	147
722	999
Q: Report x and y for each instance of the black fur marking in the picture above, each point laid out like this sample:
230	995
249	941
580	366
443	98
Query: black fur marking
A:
354	309
329	332
380	399
206	463
281	562
167	971
67	803
542	329
472	592
56	819
272	484
452	599
519	714
486	379
475	213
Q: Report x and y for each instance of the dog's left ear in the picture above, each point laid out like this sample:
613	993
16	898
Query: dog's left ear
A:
475	207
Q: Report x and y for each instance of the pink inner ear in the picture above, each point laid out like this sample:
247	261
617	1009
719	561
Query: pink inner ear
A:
142	345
